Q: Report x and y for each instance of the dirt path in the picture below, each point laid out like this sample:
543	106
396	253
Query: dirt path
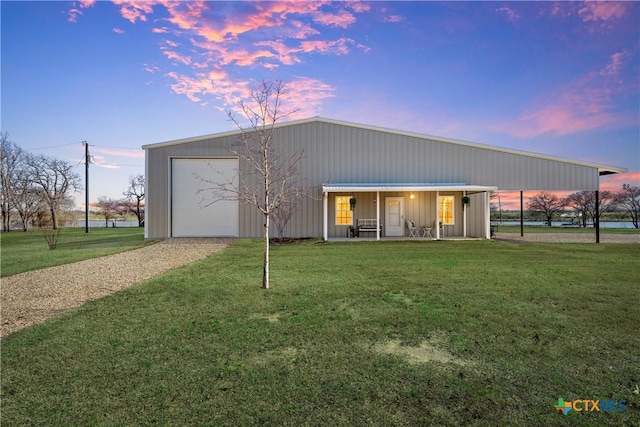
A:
32	297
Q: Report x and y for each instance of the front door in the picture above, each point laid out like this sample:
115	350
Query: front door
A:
394	216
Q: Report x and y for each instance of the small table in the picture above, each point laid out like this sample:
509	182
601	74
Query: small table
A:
426	232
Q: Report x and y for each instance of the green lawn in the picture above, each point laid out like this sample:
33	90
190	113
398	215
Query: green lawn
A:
28	251
355	333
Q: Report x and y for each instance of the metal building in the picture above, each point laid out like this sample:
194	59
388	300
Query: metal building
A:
384	180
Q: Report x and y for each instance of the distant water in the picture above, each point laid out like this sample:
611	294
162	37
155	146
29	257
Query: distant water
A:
100	224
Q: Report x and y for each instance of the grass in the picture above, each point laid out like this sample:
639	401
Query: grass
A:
29	251
367	333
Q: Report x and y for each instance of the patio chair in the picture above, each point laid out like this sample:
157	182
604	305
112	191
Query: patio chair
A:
413	230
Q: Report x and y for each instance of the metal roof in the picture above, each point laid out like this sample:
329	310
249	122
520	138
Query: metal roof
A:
602	169
370	187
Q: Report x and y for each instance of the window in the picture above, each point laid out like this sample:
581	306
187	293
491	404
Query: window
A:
445	206
344	214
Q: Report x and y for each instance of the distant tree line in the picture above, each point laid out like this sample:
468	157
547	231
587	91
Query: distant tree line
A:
131	203
37	190
581	206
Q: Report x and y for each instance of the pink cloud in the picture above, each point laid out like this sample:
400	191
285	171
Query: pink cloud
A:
305	96
74	12
582	105
223	43
130	154
601	11
101	162
118	31
73	15
133	10
510	14
337	47
358	7
394	19
340	19
216	83
614	182
618	60
300	30
151	68
177	57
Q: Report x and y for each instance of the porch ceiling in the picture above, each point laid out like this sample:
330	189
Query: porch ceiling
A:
369	187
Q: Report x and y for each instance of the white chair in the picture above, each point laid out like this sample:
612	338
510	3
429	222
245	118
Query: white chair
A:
413	230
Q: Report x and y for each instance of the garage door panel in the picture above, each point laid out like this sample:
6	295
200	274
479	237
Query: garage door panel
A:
197	213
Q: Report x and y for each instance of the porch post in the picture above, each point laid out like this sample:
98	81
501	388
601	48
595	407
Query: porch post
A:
377	215
464	216
521	214
487	213
437	215
325	215
596	218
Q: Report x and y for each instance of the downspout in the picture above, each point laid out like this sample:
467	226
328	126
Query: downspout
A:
596	219
325	215
487	213
377	215
437	215
464	216
521	214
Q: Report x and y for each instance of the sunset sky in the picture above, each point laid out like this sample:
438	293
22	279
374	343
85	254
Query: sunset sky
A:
559	78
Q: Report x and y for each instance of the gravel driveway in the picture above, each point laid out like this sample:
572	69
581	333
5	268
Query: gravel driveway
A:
32	297
569	237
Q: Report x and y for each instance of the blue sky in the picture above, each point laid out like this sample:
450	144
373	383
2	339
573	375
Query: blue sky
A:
560	78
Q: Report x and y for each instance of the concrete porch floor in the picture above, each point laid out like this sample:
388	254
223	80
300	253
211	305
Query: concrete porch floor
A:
401	238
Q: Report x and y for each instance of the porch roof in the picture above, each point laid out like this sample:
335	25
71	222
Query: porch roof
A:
428	186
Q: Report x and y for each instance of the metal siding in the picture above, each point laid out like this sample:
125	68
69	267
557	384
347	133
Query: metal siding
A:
342	153
475	218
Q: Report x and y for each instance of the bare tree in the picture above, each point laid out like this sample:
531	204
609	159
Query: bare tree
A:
27	199
10	162
55	179
584	204
606	201
134	197
580	203
271	181
283	214
629	199
109	208
547	204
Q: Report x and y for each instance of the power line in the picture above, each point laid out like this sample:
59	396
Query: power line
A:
52	146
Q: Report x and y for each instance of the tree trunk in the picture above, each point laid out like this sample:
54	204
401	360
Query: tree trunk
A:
6	217
54	219
265	270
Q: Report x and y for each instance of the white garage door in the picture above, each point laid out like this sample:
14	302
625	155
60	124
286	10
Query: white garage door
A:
192	213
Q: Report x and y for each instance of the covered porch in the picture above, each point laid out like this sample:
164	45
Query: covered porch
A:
392	211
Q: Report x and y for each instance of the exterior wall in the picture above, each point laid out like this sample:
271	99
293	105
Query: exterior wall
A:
476	215
342	153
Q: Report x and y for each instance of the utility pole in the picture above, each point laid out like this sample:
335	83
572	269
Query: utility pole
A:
87	160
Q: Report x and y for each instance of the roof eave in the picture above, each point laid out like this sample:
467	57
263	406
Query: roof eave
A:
368	188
